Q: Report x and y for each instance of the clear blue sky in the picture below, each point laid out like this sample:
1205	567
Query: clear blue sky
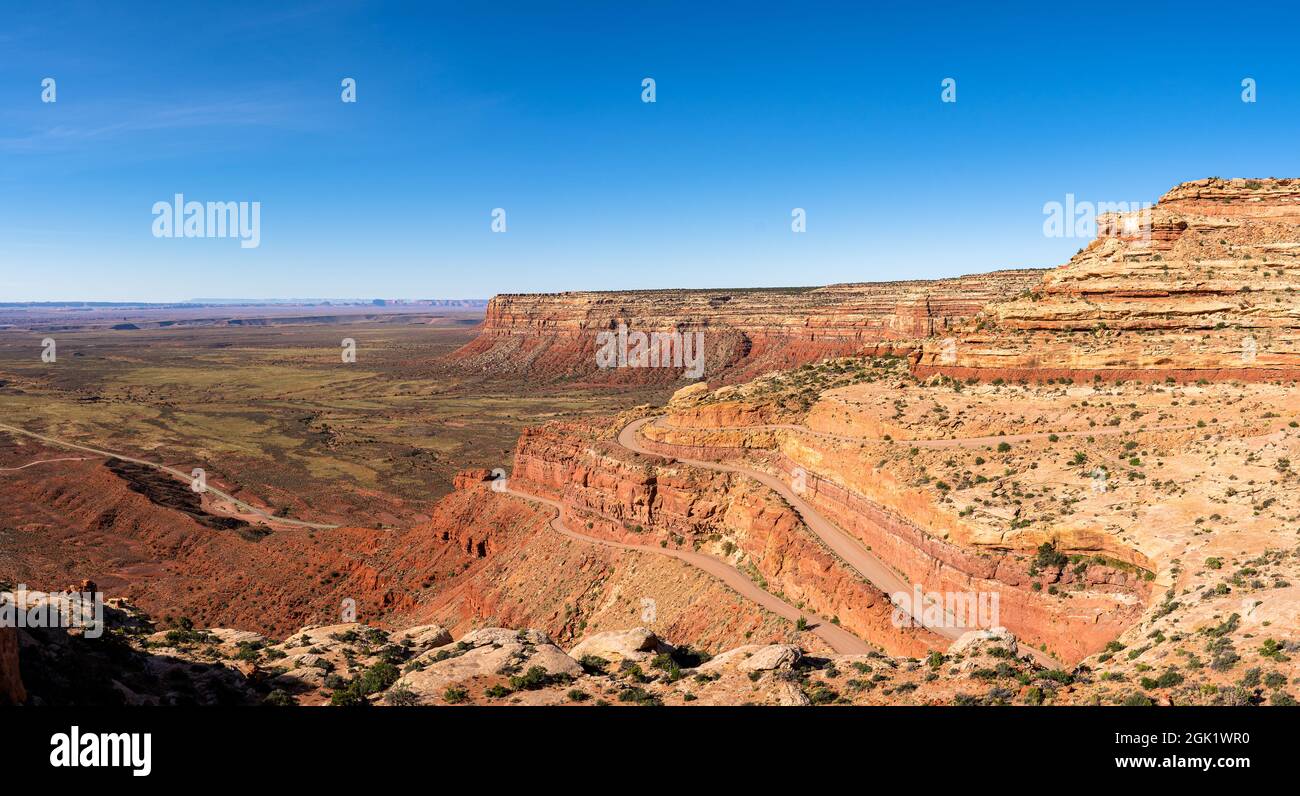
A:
464	107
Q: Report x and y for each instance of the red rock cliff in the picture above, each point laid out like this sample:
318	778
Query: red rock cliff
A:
609	492
745	331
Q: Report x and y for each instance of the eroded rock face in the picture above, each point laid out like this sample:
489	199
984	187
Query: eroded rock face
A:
745	331
1208	292
908	528
532	576
612	493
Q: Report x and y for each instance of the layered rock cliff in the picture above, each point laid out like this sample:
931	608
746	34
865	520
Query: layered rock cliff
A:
1202	285
616	494
929	545
745	332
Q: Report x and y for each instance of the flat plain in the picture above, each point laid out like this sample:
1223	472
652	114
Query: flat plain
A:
272	412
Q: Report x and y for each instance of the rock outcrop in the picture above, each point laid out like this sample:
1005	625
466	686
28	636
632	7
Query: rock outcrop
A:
1200	286
636	645
745	331
481	654
355	664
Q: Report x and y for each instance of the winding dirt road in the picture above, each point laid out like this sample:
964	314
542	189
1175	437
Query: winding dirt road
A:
849	549
846	547
44	461
837	637
262	513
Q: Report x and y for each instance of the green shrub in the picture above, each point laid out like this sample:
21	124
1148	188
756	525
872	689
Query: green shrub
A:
378	678
593	664
401	697
536	677
454	695
638	695
279	699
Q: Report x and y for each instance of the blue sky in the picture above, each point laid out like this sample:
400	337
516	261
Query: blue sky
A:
465	107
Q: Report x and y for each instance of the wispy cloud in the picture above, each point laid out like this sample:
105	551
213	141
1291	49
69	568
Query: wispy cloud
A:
90	126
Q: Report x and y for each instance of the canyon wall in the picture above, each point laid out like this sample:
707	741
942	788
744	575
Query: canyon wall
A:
611	493
1202	285
745	331
520	572
929	546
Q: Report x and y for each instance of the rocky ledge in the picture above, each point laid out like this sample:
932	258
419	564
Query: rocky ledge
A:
1200	286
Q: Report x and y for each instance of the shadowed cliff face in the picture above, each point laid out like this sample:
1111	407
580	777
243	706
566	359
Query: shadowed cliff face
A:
11	684
745	332
1202	285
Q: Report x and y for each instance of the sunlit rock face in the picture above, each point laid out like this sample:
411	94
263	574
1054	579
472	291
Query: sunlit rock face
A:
744	332
1200	286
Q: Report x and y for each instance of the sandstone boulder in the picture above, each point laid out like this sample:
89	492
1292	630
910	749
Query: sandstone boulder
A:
766	659
502	636
233	638
424	637
471	477
322	635
975	640
305	660
636	645
754	658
